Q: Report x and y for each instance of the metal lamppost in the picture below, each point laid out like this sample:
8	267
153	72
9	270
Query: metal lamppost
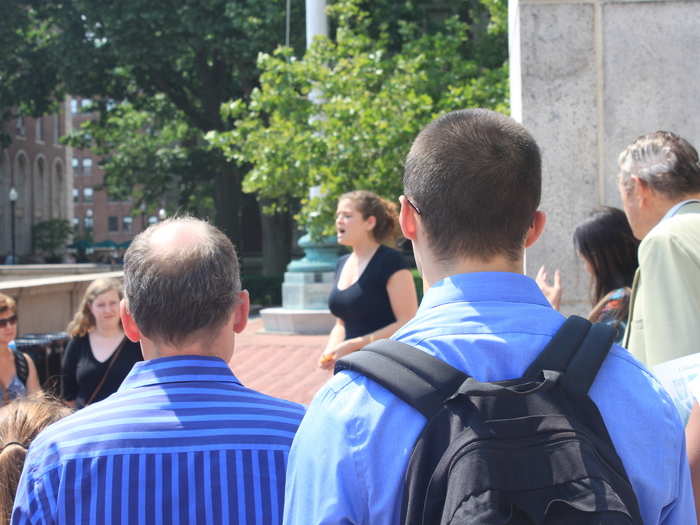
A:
13	201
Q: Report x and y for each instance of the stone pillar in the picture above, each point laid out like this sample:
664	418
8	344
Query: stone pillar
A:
316	20
308	281
587	78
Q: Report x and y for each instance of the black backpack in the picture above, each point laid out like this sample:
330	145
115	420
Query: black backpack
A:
533	450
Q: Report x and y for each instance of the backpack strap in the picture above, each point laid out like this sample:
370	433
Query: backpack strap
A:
585	364
561	348
21	366
417	378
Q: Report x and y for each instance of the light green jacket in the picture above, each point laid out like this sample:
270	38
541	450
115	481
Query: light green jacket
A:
664	320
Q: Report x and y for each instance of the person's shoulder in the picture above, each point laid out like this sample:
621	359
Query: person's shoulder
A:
45	451
391	258
289	409
79	340
680	226
388	252
640	390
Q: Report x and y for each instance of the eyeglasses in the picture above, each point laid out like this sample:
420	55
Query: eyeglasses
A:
10	320
413	205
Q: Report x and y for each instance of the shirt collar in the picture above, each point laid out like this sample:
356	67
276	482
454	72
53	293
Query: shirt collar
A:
483	286
178	369
675	208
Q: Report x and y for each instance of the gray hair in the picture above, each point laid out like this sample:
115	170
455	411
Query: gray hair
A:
665	161
177	292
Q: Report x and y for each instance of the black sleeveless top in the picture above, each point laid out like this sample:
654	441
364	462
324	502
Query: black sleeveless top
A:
364	307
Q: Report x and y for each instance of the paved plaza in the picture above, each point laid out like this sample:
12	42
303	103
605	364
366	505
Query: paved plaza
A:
279	365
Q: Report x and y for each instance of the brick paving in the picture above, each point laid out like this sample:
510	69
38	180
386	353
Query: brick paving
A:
279	365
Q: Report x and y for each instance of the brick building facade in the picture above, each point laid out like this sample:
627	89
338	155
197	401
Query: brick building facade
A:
97	214
37	166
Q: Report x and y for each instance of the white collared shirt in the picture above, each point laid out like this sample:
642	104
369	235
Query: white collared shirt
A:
675	208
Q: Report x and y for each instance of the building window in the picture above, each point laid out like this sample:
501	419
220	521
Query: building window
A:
85	105
76	195
73	106
88	222
54	125
20	127
152	219
113	224
39	129
87	194
75	162
87	166
76	225
126	224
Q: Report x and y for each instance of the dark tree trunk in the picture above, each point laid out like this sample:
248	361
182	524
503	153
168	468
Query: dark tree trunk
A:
277	243
227	202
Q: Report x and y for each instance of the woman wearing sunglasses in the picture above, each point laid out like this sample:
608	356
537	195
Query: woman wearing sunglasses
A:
18	375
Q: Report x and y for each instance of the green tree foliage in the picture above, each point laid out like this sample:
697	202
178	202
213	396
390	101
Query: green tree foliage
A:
50	237
152	154
344	116
196	54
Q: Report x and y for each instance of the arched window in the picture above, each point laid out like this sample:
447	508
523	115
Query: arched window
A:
40	192
23	218
58	204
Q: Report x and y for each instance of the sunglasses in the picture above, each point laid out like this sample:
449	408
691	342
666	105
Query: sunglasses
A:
9	320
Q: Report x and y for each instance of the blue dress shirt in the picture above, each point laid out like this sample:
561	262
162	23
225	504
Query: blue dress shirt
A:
351	451
181	441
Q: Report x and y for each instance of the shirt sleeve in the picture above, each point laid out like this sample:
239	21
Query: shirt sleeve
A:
392	262
33	503
324	483
682	510
70	369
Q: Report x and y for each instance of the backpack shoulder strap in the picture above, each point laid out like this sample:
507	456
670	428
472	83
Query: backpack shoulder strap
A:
417	378
21	366
562	347
585	364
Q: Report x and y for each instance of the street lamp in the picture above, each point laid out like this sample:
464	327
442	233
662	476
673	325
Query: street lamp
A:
162	214
13	201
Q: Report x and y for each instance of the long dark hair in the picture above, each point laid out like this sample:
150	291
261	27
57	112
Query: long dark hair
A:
606	241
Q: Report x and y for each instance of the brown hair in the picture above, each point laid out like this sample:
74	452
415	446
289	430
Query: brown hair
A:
7	303
386	214
83	319
475	175
182	292
664	160
20	422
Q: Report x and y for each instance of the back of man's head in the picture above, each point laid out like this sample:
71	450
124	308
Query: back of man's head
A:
475	176
665	161
181	280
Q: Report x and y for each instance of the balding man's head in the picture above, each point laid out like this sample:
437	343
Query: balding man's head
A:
181	278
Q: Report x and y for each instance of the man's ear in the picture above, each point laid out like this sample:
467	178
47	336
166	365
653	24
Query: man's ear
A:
241	311
131	330
536	228
641	190
408	219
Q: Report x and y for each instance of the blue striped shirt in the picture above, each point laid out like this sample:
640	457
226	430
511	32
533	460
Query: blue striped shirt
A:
181	442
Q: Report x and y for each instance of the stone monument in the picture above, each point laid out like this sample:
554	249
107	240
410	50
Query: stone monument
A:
305	290
587	78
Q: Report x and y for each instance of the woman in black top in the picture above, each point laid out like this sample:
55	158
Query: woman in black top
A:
373	294
99	356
